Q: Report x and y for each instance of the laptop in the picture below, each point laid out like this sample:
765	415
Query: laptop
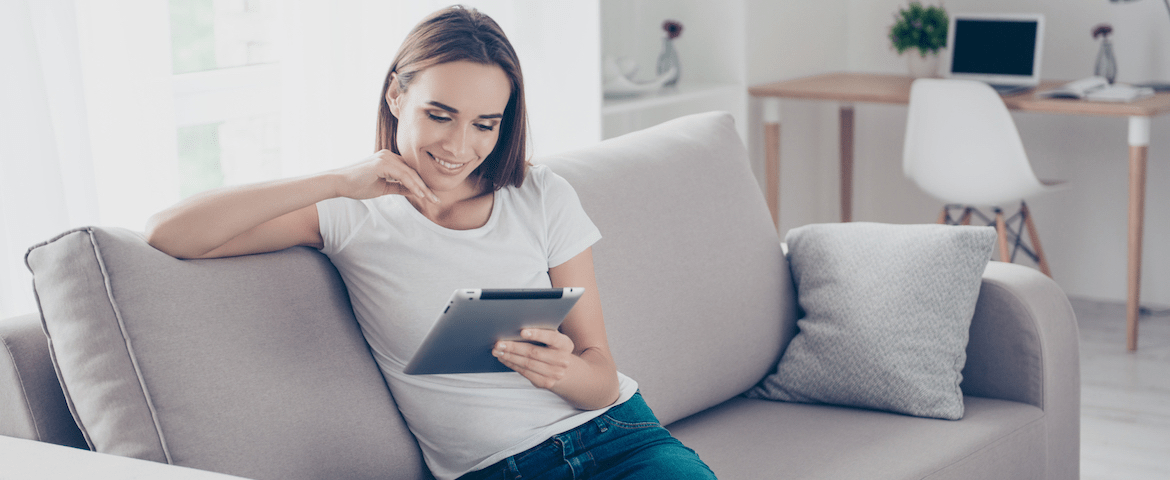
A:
1002	50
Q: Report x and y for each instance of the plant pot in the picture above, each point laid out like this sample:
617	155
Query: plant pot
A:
922	66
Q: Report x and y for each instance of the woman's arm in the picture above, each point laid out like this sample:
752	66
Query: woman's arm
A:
241	220
576	364
274	215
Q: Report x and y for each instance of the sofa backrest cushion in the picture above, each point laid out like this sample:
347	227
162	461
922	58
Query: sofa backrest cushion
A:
697	296
252	366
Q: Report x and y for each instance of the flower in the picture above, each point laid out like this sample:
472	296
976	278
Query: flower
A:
673	28
1102	30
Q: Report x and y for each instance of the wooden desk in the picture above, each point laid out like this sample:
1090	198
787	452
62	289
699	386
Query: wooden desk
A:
848	88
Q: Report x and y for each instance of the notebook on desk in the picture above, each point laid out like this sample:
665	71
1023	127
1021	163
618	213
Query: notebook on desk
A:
1002	50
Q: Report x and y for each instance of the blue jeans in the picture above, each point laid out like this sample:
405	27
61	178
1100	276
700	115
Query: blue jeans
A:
625	442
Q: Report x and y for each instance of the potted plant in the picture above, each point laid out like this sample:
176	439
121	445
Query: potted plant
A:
923	29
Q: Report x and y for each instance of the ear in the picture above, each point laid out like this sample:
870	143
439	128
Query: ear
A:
393	96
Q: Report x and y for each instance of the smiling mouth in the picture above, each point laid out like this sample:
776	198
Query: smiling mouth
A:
446	165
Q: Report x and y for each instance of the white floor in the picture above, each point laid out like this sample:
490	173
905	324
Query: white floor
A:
1125	397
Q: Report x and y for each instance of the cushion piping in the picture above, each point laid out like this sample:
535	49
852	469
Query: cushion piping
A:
49	338
129	348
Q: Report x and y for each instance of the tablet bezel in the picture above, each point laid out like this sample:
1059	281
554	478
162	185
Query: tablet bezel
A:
473	320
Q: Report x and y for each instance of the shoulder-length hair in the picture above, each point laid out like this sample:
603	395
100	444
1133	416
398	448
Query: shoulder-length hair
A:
464	34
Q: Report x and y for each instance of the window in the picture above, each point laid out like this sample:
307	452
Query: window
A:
227	81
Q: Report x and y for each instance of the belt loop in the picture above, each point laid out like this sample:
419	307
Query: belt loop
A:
601	426
512	469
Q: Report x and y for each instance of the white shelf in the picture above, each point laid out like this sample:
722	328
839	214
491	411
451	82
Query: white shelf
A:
711	51
681	93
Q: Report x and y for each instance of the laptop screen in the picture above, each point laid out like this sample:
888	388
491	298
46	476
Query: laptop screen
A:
1003	49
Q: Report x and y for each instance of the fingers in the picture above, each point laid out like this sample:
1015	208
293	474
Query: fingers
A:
392	170
407	187
383	173
544	366
552	338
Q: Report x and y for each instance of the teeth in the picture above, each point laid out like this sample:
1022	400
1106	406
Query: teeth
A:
451	166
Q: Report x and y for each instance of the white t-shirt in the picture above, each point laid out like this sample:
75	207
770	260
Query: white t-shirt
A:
400	268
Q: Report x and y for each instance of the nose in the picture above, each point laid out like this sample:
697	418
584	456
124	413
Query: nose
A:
458	142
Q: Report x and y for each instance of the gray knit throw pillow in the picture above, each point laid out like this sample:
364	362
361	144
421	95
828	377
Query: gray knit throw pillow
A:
887	311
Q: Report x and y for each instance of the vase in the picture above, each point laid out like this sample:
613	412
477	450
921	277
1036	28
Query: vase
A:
1106	64
922	66
668	59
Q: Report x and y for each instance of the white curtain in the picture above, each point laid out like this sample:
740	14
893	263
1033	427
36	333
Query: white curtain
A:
45	168
86	124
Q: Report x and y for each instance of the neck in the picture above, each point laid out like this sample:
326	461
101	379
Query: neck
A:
458	207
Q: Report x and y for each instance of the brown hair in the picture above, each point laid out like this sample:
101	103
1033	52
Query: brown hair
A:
456	34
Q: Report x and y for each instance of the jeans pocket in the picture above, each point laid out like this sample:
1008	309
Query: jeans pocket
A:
633	414
628	425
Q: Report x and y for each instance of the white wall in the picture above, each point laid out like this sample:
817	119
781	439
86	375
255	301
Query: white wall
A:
788	40
554	71
1083	228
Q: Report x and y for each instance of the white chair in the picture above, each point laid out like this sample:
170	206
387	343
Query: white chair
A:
962	147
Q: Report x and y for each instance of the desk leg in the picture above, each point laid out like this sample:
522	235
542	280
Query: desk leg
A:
1139	141
772	157
846	138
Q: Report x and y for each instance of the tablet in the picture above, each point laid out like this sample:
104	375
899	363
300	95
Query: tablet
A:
473	320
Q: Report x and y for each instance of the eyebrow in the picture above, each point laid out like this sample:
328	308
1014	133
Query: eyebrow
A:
453	110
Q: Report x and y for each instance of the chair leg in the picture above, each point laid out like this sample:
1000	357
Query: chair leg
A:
944	217
1035	237
1001	230
966	220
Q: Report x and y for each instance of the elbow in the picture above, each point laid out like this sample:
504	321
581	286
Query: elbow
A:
163	237
155	234
609	401
158	240
604	398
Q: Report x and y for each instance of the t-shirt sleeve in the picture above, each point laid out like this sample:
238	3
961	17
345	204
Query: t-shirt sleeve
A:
339	219
569	231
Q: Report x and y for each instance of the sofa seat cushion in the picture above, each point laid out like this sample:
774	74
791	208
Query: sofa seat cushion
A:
749	438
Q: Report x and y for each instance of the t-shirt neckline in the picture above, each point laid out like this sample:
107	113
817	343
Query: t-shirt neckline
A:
403	202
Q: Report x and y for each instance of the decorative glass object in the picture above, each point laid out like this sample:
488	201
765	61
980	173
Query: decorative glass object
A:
1106	64
668	59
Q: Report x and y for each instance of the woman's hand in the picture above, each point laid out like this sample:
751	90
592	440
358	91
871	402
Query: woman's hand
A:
383	173
544	366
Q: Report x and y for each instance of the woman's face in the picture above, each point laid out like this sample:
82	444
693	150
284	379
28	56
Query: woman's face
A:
449	121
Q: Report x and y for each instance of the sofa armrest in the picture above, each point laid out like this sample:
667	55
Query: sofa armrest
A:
1024	346
31	459
32	404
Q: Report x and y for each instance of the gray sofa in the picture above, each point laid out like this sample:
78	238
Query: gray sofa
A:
254	366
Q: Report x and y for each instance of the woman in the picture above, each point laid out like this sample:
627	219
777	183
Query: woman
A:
448	202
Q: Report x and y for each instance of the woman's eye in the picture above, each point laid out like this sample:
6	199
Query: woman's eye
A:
485	128
438	118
